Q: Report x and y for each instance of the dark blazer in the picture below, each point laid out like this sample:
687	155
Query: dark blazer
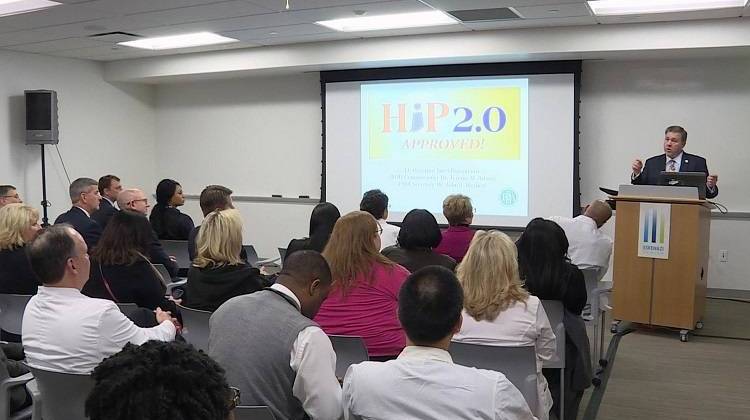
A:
208	288
175	225
86	226
137	283
105	212
655	165
16	276
414	259
157	256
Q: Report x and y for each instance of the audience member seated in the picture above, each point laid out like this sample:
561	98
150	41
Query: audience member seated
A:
364	296
9	195
84	194
218	274
423	383
418	236
375	202
273	351
168	222
213	197
121	271
459	212
11	366
65	331
19	225
135	200
109	188
589	247
159	381
322	220
498	311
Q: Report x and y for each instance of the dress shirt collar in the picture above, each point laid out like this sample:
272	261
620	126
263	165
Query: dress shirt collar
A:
112	203
67	292
83	210
285	290
425	353
677	160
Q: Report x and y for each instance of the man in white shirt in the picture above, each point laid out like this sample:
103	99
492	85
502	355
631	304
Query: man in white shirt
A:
375	202
588	246
65	331
273	351
423	383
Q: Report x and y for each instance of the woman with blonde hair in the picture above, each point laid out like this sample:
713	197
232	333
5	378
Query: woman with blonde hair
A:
498	311
364	297
19	225
218	273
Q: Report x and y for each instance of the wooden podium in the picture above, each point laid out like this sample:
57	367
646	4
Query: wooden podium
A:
661	292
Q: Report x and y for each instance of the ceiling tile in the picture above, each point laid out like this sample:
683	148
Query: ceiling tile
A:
489	4
279	32
280	5
57	45
57	15
300	39
126	7
554	11
220	10
532	23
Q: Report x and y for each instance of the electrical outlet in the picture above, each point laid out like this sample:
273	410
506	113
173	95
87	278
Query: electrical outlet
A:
723	255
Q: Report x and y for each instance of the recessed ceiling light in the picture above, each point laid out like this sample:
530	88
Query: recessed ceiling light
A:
178	41
634	7
16	7
395	21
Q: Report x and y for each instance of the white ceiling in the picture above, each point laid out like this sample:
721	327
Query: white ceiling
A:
65	30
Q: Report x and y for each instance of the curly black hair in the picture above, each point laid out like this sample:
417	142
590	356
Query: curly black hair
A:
157	381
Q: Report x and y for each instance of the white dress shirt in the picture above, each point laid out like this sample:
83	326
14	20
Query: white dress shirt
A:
588	246
423	384
521	324
314	362
389	236
65	331
677	162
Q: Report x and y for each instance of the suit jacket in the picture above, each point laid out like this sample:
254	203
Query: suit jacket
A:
105	212
655	165
86	226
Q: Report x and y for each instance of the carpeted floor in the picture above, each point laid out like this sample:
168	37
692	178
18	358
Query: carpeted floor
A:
727	318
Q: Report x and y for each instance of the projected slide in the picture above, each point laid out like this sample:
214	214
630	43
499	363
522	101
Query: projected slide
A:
421	141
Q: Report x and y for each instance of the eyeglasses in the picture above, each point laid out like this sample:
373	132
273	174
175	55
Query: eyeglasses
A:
234	398
380	230
145	201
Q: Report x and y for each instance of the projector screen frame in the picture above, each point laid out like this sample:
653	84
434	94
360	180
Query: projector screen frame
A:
573	67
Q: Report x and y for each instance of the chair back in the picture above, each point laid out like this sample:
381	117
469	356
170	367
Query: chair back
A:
126	308
349	350
282	254
163	273
252	254
555	313
195	327
63	394
11	312
591	277
254	412
518	364
179	250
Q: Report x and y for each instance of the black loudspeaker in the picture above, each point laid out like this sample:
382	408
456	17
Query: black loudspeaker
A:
41	117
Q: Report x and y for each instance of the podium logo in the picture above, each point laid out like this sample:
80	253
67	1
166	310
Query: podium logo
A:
653	229
653	232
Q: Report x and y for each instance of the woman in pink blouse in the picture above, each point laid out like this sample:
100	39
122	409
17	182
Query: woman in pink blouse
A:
364	298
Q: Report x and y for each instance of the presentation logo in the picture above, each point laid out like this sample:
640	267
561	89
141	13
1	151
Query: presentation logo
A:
654	229
508	197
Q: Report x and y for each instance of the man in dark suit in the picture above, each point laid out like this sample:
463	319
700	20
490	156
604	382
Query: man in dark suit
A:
84	194
674	159
109	188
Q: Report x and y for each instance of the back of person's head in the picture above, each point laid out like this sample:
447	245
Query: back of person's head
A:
81	186
105	183
322	220
219	240
542	256
215	197
50	252
165	189
430	304
374	202
489	275
353	248
458	210
157	381
125	240
419	230
307	274
17	225
599	211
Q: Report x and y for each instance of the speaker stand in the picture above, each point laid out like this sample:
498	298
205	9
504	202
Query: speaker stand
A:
45	203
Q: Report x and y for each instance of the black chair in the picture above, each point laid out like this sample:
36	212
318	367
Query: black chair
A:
256	412
349	350
179	250
11	312
195	326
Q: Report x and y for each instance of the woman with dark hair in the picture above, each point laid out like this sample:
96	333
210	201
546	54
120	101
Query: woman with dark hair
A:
120	269
545	268
167	221
322	220
418	237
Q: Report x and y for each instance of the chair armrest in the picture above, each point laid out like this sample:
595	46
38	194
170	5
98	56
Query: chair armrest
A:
172	286
13	382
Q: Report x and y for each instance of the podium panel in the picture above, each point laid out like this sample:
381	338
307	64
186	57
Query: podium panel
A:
632	275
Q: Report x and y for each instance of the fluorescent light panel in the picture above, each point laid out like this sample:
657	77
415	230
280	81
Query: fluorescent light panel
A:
178	41
637	7
16	7
395	21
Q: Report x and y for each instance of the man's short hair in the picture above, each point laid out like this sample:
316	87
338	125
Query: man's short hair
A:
307	265
374	202
430	304
214	197
5	189
80	186
158	380
50	251
679	130
106	182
